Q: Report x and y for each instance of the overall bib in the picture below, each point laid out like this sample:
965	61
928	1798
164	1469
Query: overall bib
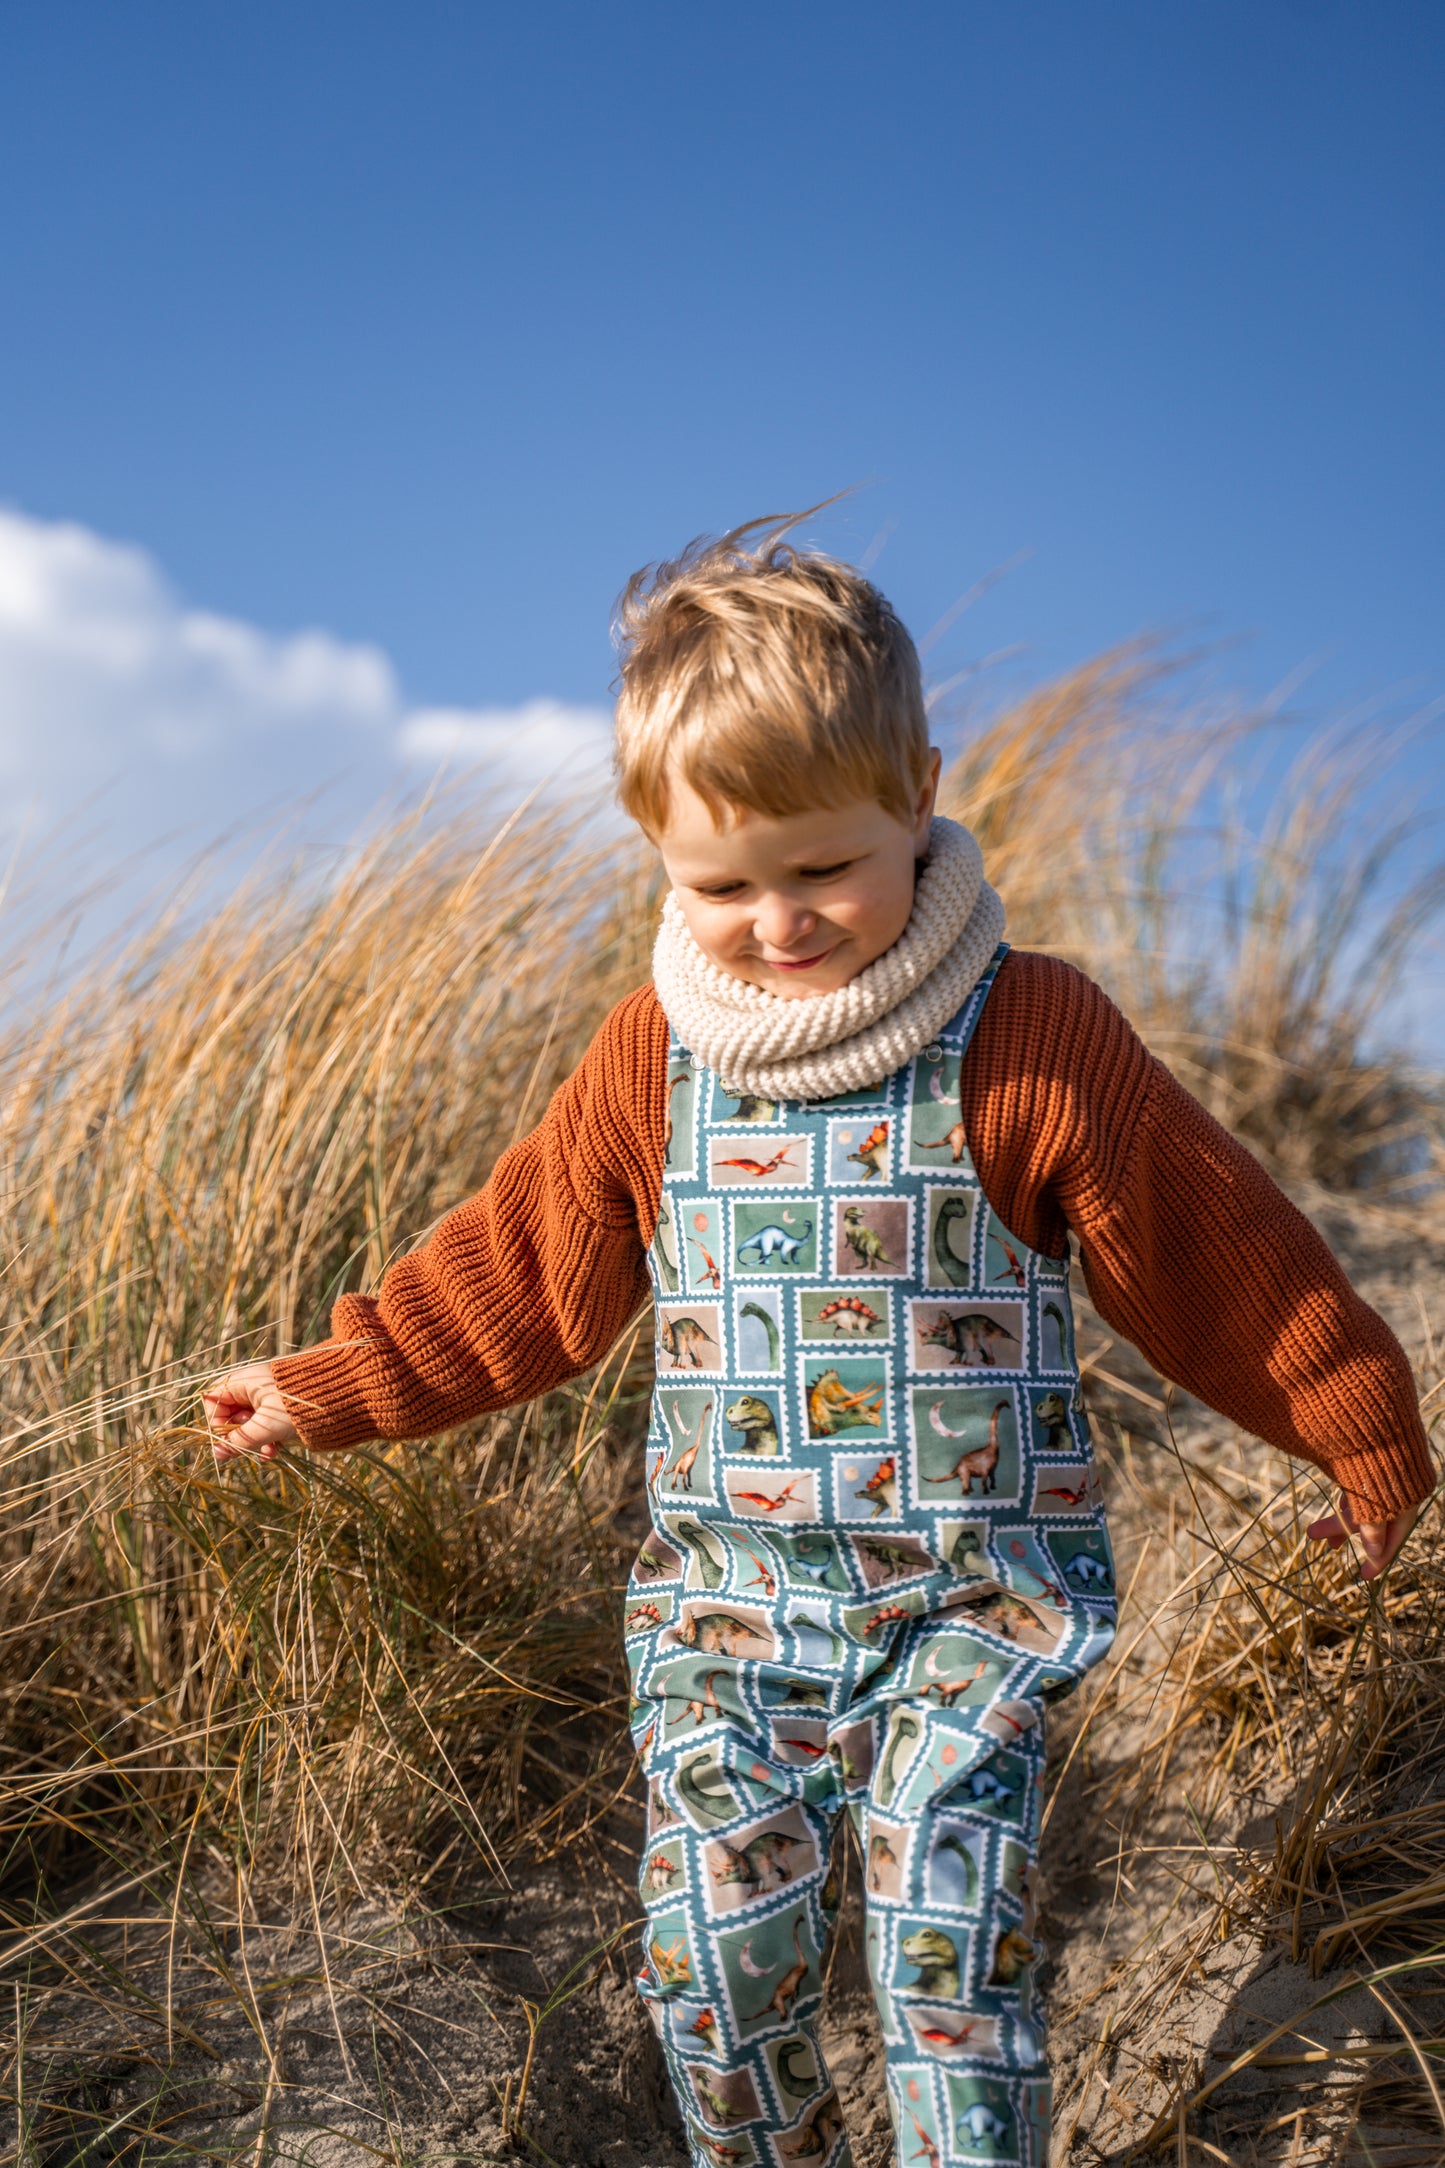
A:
877	1551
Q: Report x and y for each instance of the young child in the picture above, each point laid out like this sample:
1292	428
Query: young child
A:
846	1132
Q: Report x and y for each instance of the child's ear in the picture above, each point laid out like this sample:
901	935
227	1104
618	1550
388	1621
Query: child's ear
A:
925	801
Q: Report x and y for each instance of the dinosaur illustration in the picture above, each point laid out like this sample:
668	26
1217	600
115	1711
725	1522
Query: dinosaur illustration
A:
1055	1316
927	2149
769	1501
790	2078
682	1339
948	1690
955	1845
832	1407
953	1211
1013	1953
711	1271
786	1993
684	1076
1053	1412
978	2121
1012	1269
750	1108
655	1559
758	1424
895	1561
880	1855
702	1706
764	1578
662	1872
704	2028
904	1735
672	1965
864	1241
969	1334
981	1464
769	1325
664	1246
849	1314
813	1558
716	1633
800	1623
936	1960
872	1153
712	1571
966	1556
760	1169
939	2036
1003	1614
815	2139
680	1474
704	1789
774	1241
1073	1495
985	1785
1088	1571
955	1142
881	1489
800	1694
760	1864
723	2156
713	2101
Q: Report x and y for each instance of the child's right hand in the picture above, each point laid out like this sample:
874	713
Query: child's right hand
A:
246	1412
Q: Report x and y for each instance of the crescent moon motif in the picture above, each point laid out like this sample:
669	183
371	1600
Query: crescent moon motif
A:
935	1417
745	1959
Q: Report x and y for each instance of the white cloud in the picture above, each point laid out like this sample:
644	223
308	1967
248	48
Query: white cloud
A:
121	703
541	737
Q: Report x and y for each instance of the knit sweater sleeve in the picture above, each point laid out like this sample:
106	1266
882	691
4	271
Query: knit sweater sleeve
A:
1188	1248
524	1286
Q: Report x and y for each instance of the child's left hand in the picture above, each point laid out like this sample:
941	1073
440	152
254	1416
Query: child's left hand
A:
1379	1540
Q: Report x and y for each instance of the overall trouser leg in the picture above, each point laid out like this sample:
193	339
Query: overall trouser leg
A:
949	1834
742	1900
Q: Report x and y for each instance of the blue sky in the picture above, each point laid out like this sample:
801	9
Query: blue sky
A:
422	325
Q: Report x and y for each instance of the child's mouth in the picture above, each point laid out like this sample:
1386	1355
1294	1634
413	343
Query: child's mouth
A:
797	963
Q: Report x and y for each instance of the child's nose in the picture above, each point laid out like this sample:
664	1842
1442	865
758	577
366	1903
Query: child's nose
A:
781	923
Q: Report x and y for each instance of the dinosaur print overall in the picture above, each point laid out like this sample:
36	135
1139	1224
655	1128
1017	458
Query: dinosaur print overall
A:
877	1551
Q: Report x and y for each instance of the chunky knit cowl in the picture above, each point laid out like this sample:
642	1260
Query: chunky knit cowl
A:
815	1047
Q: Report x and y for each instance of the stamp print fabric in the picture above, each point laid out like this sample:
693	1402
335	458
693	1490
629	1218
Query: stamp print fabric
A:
877	1551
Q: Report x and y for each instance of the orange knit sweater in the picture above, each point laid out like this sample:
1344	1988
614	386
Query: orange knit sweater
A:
1188	1248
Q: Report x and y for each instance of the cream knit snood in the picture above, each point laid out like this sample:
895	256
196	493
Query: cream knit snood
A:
838	1042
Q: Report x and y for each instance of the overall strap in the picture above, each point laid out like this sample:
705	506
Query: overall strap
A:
966	1021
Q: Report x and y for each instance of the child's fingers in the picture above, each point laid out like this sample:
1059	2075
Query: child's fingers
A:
263	1433
1331	1530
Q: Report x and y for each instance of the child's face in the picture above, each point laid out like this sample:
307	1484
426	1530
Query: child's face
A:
798	906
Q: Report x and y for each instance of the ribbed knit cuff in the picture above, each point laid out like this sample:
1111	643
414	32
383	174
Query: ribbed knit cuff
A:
324	1398
1387	1480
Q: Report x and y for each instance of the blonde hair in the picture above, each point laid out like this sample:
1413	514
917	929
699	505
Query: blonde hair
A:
767	676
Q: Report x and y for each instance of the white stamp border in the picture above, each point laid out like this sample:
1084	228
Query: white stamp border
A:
856	1121
836	1202
1022	1368
762	1272
982	1506
835	1440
